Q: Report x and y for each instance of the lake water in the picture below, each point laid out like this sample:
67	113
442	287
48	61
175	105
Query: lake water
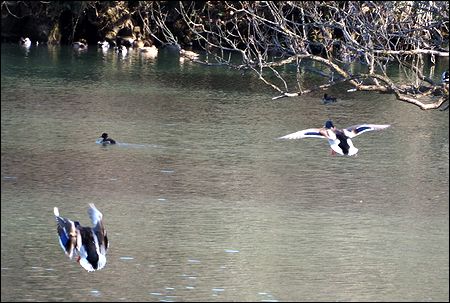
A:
200	201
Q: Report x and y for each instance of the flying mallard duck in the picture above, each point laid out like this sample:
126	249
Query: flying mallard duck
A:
89	243
339	139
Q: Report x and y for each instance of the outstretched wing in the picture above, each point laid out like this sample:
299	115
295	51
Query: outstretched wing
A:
99	229
306	133
95	215
356	130
67	233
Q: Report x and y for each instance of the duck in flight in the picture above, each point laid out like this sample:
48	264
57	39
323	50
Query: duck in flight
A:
339	139
88	243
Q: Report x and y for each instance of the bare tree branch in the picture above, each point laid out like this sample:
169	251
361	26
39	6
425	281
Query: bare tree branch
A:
265	36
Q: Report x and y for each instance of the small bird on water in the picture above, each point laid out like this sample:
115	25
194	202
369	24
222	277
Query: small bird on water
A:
106	140
328	99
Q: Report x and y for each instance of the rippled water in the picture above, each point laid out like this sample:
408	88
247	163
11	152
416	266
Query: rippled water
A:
200	201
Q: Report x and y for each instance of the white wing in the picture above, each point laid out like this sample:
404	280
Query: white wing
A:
95	215
99	229
306	133
101	261
356	130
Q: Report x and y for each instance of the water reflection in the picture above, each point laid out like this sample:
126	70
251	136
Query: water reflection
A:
200	201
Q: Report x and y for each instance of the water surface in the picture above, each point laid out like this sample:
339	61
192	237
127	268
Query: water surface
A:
200	201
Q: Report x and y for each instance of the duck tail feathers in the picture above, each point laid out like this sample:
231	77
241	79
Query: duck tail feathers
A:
85	264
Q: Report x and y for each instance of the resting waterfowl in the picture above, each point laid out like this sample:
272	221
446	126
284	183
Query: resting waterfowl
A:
89	243
188	54
80	45
121	49
149	51
138	43
339	139
328	99
25	42
105	140
104	45
444	77
126	40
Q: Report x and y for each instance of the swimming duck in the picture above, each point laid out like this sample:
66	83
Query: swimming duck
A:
121	49
149	51
126	40
104	45
339	140
188	54
328	99
444	77
138	43
25	42
89	243
80	45
106	140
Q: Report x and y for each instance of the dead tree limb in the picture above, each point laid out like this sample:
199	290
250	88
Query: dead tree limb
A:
264	36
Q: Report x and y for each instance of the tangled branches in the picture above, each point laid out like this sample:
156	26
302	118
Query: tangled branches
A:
263	36
392	47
